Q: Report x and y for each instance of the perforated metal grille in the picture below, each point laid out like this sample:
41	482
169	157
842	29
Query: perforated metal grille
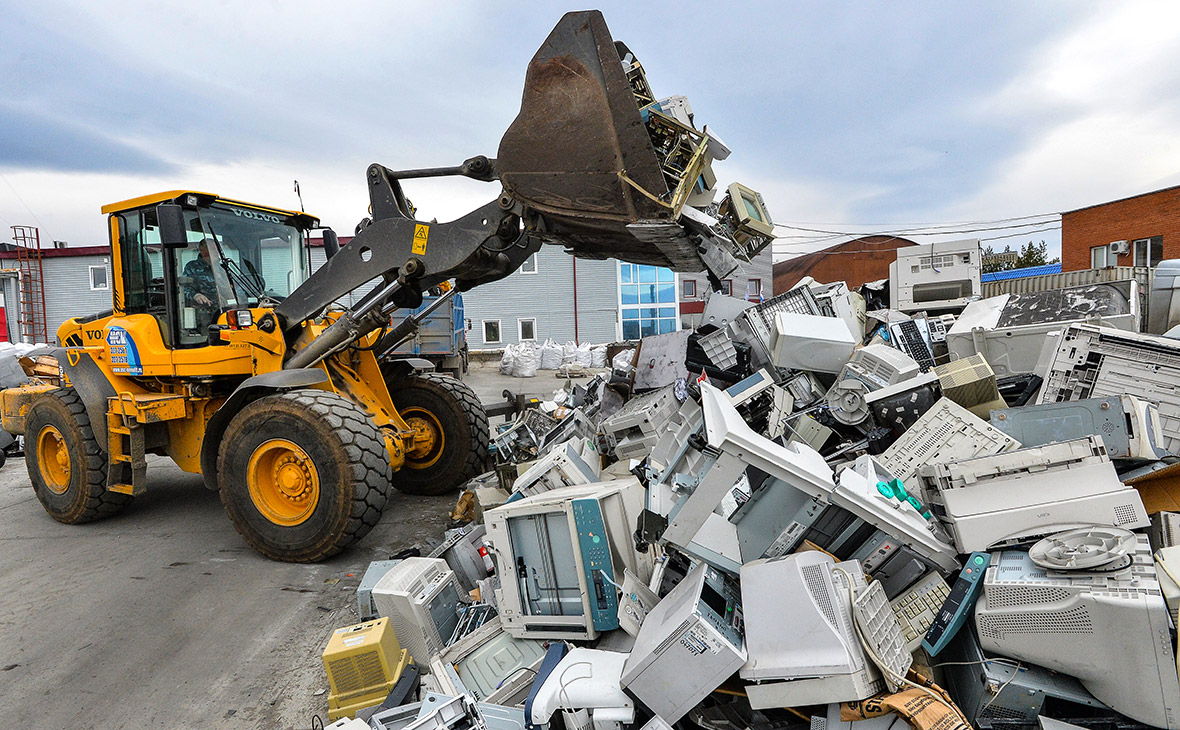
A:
356	672
1124	514
996	712
813	578
1024	595
1074	621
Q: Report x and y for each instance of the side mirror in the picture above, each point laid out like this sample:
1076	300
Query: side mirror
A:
170	217
331	243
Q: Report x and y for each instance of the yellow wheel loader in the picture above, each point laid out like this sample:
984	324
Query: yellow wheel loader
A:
225	353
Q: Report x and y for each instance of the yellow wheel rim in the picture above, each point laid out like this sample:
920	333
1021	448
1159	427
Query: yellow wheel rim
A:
54	459
429	438
283	482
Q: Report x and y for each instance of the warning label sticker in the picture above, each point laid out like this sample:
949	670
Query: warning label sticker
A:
421	234
786	539
698	640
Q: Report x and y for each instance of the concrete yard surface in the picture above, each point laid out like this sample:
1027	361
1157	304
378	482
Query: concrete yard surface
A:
163	617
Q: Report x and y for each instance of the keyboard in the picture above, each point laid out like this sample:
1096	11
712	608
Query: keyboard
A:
916	608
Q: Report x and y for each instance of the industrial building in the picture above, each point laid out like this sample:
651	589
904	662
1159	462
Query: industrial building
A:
1140	230
856	262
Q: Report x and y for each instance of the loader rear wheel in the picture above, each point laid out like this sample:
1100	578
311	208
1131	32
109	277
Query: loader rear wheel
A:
68	470
451	432
303	474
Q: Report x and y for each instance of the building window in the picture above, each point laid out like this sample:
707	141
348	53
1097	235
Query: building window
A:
527	329
530	265
727	287
1148	251
754	290
98	278
1100	257
647	301
688	288
491	332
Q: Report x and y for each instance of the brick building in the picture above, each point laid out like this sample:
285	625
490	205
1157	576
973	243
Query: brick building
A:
1148	223
857	261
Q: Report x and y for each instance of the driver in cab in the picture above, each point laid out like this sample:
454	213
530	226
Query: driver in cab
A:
201	289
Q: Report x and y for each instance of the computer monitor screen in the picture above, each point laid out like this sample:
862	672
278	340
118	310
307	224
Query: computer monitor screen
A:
752	208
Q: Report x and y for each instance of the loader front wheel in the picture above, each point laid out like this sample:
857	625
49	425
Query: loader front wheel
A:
68	470
450	432
303	474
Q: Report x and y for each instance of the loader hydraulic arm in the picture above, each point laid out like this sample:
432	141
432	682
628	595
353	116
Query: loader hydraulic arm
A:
407	256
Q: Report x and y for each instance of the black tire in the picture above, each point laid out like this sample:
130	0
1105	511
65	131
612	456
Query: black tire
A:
350	462
464	424
85	498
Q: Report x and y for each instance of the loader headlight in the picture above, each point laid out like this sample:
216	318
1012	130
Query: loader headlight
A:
239	318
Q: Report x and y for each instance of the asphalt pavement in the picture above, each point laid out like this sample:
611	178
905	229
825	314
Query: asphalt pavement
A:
163	617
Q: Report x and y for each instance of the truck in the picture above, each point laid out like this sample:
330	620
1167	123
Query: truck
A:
440	338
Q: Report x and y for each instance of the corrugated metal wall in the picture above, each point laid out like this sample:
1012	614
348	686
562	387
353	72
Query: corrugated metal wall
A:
1047	282
67	289
546	297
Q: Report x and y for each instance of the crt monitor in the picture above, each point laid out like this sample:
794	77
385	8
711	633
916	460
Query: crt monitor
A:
749	210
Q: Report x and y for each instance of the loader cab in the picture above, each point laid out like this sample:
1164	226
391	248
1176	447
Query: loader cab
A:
237	255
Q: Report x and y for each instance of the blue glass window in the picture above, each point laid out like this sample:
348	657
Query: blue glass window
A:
640	284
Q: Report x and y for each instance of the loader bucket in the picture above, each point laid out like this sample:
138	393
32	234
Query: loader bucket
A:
577	135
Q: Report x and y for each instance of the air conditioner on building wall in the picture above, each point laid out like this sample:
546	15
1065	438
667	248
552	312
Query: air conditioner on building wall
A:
1118	248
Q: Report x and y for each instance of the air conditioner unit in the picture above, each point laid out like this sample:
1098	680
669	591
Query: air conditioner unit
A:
1119	247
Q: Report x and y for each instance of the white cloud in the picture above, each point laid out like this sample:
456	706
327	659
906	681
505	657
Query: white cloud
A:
1108	125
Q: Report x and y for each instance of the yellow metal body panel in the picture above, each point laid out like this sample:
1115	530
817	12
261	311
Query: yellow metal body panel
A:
14	405
149	408
363	663
186	436
162	197
116	270
132	345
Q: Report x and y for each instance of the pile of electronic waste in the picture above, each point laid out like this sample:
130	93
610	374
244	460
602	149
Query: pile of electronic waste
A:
808	514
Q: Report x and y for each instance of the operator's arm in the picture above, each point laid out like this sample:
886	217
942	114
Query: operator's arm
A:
200	288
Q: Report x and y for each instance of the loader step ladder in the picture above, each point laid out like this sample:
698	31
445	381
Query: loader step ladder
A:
127	472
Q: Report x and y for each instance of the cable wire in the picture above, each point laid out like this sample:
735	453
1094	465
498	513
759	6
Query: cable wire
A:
881	663
22	200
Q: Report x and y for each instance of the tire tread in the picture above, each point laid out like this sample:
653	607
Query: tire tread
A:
368	469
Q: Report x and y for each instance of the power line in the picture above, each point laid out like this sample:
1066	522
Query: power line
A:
40	225
1025	233
925	230
783	247
926	225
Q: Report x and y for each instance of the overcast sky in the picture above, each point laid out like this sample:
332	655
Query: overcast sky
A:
860	116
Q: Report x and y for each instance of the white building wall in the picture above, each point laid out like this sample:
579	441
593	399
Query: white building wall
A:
547	297
68	293
750	280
